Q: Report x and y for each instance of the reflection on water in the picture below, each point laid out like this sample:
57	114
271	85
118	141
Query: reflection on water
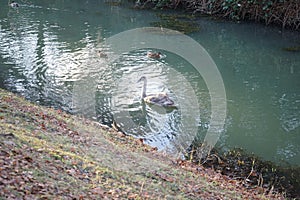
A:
49	49
159	126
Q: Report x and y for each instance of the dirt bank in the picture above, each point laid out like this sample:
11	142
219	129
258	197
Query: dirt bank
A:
285	13
47	154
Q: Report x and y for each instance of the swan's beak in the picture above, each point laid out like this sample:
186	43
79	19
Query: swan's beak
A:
140	80
143	78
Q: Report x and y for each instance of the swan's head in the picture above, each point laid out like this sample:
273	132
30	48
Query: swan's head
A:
143	78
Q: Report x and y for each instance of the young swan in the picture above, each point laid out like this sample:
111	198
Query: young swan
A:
160	99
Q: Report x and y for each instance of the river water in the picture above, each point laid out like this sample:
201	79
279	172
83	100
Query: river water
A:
49	53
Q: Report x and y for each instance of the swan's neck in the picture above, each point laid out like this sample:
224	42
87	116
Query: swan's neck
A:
144	89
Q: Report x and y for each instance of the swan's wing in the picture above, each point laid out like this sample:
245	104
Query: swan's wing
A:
150	99
162	94
156	98
159	99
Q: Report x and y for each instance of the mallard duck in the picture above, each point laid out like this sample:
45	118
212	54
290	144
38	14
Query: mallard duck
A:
14	4
156	55
160	99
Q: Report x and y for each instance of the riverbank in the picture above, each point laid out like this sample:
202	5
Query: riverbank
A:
279	12
46	153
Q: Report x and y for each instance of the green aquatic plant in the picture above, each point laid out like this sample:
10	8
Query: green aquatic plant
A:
176	16
114	3
292	49
180	23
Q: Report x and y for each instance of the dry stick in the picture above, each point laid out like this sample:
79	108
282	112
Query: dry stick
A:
218	158
298	16
256	13
208	154
297	25
285	16
192	152
260	180
142	186
294	16
252	169
273	16
176	3
271	190
244	14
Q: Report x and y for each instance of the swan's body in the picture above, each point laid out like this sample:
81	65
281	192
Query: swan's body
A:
155	55
14	4
160	99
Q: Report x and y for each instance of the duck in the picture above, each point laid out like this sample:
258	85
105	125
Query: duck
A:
156	55
159	99
14	4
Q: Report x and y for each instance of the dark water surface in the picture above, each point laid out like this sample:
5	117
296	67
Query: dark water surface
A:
48	47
